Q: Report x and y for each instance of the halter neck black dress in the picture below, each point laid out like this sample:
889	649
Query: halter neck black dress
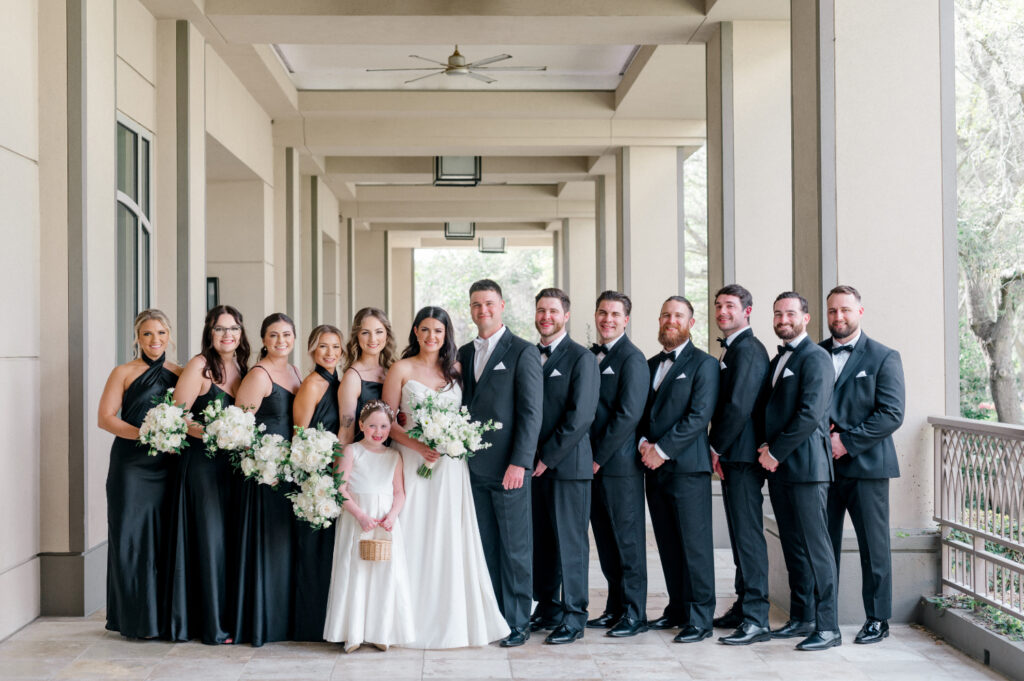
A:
140	494
263	605
204	556
314	549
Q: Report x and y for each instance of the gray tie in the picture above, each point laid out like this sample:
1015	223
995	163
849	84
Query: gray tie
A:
480	359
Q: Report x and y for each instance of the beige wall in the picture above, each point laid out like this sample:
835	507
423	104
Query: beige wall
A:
403	303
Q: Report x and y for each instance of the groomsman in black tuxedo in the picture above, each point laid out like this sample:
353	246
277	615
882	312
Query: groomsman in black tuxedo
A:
867	407
501	374
742	368
562	473
791	421
617	510
673	446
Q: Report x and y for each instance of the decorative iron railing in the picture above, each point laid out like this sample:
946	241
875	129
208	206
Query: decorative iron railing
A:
979	505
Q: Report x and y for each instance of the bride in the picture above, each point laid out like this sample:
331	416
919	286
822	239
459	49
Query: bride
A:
453	600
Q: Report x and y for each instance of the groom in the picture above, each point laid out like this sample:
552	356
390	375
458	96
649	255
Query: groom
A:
501	374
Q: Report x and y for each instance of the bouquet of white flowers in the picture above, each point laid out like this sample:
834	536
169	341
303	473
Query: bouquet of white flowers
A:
447	430
230	429
265	460
311	465
165	426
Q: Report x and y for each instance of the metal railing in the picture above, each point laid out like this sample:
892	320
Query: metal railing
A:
979	505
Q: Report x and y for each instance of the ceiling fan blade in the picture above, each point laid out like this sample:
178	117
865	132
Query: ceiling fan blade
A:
432	61
491	60
510	68
429	75
480	77
422	68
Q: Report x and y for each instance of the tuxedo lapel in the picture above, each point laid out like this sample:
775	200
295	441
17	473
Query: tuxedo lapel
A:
616	349
737	341
673	373
850	368
557	355
793	363
499	351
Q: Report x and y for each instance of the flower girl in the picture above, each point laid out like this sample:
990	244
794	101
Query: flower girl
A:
369	599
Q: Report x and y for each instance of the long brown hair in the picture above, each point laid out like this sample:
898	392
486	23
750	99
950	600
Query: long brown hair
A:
214	364
354	351
273	318
446	357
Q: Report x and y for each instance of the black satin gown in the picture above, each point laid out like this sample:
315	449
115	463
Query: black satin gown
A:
368	392
140	496
264	586
314	549
204	549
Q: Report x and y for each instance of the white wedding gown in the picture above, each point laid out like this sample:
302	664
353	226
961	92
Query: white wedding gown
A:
453	603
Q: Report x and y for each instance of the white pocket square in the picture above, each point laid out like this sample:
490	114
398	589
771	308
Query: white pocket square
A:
721	365
499	367
555	372
786	373
608	370
862	374
680	376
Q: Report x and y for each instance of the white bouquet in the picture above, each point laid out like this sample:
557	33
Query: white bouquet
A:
230	429
312	452
165	426
265	461
318	500
447	430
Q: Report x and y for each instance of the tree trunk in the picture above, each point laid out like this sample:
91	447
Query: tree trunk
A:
997	341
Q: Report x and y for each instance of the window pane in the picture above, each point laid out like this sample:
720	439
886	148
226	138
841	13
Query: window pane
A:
127	288
127	162
144	176
143	268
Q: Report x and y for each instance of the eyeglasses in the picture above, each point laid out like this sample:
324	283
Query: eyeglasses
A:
226	329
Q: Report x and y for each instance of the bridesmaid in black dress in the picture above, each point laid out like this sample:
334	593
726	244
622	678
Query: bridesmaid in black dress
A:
316	404
371	352
264	583
140	488
204	556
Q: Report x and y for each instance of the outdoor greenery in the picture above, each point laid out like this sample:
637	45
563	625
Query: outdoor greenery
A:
993	618
990	179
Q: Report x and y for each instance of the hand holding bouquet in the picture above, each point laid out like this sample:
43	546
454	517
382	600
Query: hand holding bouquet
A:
231	429
447	430
164	427
311	464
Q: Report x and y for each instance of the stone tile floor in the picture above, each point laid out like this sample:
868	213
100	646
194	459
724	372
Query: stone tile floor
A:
80	648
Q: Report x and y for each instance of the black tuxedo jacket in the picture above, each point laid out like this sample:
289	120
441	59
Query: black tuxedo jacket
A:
570	400
625	382
509	391
677	413
792	416
741	373
867	407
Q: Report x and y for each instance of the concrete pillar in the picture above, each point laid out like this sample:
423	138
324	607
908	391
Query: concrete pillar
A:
402	309
371	274
873	170
749	166
580	242
607	233
650	219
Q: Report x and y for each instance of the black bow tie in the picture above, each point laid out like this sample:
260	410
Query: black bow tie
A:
836	349
598	349
783	349
666	357
544	349
724	343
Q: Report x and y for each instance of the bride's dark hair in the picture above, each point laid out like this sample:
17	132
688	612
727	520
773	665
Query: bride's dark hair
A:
446	357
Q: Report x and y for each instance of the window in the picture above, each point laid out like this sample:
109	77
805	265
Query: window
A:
134	232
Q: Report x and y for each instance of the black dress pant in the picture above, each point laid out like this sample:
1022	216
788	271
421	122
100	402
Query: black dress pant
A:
561	549
868	504
507	537
741	493
617	518
680	508
798	570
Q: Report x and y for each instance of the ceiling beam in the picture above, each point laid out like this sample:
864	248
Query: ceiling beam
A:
539	210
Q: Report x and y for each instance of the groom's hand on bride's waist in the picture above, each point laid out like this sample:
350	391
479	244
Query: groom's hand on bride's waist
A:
513	477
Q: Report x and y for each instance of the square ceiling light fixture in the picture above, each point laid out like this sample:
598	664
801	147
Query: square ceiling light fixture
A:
457	171
492	244
459	231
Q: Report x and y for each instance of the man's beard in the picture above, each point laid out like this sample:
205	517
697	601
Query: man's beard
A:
672	337
792	331
851	328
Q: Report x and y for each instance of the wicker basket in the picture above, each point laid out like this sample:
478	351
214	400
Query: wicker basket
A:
375	549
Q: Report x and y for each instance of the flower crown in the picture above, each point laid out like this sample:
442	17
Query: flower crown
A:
376	405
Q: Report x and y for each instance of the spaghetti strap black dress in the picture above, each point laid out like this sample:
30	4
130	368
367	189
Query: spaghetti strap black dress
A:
263	605
140	494
368	392
204	548
314	549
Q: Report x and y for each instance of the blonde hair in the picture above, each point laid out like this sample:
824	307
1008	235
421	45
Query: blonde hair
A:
372	407
314	340
355	351
152	314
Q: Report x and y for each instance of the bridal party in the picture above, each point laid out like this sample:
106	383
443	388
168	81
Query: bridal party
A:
443	496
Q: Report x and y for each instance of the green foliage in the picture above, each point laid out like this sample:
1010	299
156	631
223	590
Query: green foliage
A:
975	395
444	275
992	618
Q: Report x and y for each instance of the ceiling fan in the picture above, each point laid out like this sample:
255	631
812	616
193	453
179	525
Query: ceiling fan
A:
457	66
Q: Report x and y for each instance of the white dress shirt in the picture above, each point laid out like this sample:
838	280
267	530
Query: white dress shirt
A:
553	344
840	359
785	357
608	346
659	376
483	348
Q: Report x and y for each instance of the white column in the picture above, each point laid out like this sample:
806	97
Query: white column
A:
580	248
371	273
402	309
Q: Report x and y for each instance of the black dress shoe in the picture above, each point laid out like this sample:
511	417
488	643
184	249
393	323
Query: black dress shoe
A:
873	631
626	627
538	623
563	634
745	634
794	629
692	634
821	640
730	619
517	638
606	621
664	623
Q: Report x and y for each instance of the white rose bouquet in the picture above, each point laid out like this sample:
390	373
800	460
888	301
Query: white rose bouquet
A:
311	465
231	429
312	452
318	500
165	426
264	461
447	430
